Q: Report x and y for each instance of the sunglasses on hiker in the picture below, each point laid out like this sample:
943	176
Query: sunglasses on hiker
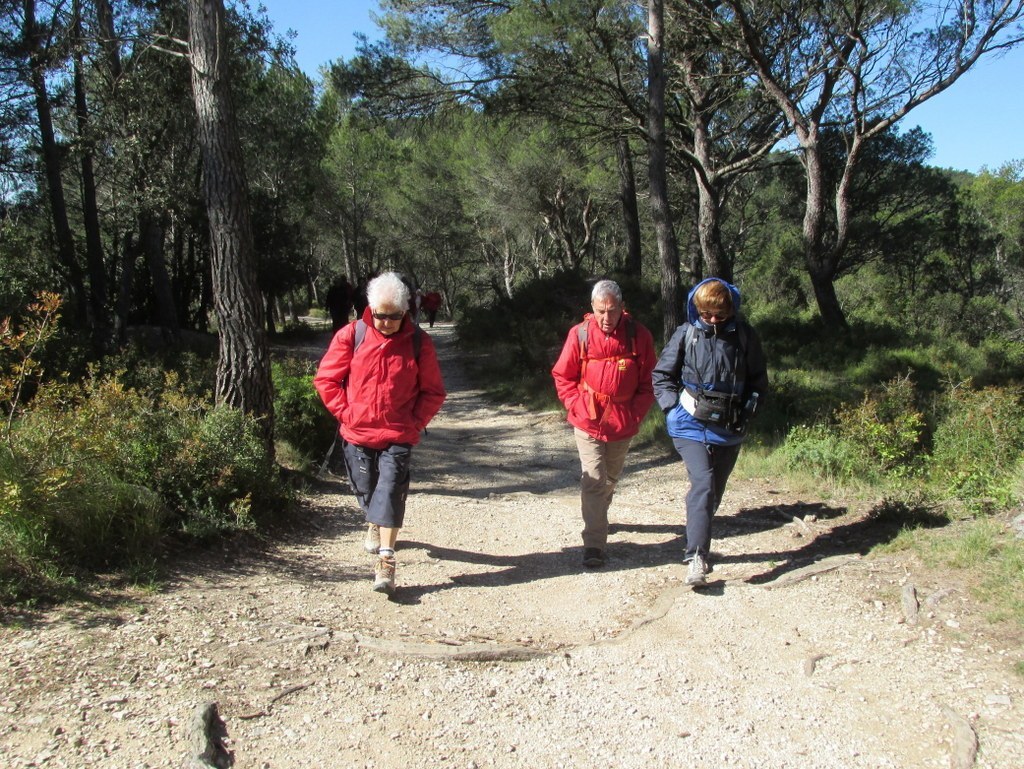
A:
718	315
388	315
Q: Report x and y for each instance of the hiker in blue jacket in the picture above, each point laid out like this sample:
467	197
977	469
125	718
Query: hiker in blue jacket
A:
710	380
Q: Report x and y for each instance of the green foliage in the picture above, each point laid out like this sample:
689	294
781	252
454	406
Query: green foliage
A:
221	478
524	334
979	443
989	551
886	428
19	351
300	417
515	342
819	450
880	437
96	474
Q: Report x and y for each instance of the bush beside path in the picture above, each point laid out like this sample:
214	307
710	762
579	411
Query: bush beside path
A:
500	650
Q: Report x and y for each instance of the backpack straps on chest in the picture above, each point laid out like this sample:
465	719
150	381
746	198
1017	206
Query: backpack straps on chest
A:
581	334
360	335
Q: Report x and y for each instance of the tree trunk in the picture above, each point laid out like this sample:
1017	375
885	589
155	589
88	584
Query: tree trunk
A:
709	204
108	40
818	256
90	210
633	263
123	304
33	36
709	231
243	370
151	237
693	254
658	172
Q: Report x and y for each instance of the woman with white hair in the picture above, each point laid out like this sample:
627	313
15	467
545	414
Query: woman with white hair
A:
381	380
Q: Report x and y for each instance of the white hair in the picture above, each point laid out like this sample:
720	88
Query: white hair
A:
388	290
608	289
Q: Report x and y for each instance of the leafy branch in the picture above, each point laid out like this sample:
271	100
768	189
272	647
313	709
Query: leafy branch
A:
20	348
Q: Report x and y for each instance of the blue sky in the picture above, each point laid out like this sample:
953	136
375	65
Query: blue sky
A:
978	122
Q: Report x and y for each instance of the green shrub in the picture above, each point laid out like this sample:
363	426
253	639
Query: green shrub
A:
886	427
96	475
818	450
300	418
801	396
979	441
220	476
880	436
64	504
1002	362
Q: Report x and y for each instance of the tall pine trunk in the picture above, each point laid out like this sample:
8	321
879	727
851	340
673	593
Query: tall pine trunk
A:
98	295
33	38
820	258
668	249
243	370
633	263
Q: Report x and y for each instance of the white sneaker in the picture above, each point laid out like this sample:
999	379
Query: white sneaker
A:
372	543
698	573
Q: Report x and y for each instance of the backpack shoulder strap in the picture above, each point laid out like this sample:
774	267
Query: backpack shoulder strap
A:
417	338
742	334
581	334
360	335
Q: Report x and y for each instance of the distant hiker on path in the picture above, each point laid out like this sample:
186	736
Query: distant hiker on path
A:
430	305
381	380
603	378
710	380
339	302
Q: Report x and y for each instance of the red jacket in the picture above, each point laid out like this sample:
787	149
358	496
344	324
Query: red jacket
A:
608	395
431	301
383	394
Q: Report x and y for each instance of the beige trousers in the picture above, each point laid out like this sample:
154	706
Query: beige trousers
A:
602	464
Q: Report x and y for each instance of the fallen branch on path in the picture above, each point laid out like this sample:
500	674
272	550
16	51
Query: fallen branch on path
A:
276	698
813	570
473	652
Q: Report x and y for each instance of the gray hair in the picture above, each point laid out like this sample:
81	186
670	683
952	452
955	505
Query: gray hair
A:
388	290
608	289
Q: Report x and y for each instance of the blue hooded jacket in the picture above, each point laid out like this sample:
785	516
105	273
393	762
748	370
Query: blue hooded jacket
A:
724	357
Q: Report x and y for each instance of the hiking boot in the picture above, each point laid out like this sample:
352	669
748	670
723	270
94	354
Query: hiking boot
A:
593	557
372	543
384	576
697	575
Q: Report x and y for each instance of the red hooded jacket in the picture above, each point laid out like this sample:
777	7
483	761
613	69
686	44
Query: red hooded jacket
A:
609	394
383	394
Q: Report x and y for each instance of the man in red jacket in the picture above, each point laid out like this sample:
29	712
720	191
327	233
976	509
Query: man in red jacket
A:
603	378
382	382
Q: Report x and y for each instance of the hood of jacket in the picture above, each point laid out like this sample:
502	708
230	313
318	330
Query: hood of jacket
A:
691	308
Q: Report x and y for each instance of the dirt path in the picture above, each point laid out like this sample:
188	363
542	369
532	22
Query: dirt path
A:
499	650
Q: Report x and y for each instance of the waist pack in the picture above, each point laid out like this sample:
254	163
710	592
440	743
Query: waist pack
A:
717	408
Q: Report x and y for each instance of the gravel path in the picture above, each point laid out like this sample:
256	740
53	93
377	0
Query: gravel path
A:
499	650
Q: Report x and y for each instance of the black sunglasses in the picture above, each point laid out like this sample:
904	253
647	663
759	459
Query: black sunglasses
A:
389	315
717	315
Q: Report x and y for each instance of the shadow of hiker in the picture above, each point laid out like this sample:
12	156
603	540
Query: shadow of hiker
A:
533	567
752	520
880	525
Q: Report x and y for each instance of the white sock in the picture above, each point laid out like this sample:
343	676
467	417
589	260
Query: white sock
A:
386	552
